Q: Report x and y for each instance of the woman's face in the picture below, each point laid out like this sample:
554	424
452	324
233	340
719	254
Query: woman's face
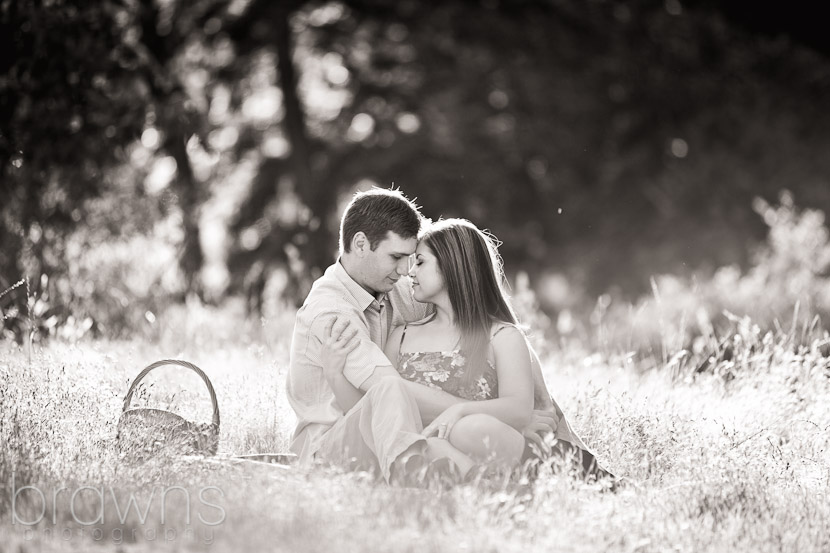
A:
427	281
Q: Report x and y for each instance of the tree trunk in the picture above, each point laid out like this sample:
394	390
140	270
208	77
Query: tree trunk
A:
316	252
191	258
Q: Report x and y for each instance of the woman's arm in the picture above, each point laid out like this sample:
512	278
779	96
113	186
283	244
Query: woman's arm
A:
514	406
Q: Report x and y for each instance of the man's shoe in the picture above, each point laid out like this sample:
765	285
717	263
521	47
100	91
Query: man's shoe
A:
409	473
443	473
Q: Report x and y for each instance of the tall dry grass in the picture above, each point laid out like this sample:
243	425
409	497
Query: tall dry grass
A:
734	458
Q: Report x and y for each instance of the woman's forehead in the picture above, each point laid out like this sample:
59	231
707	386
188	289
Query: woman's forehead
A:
423	249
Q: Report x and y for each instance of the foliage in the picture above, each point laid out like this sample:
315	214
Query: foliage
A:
83	90
786	290
629	129
531	317
743	461
123	271
70	98
603	141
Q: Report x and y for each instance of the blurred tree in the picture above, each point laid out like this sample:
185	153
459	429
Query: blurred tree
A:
80	85
69	102
604	140
321	160
593	138
166	29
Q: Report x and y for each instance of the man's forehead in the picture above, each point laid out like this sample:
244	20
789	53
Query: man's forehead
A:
394	243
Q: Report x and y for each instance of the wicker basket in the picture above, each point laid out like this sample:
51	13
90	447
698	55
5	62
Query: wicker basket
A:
146	432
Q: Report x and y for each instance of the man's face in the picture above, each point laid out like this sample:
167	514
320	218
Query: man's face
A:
382	267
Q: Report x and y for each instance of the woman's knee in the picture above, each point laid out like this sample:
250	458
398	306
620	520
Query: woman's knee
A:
477	424
480	434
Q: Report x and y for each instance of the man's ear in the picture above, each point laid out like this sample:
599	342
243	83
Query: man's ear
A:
360	243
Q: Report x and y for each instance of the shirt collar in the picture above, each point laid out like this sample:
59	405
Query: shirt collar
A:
359	293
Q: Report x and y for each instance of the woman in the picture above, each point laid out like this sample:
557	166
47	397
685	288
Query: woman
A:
471	347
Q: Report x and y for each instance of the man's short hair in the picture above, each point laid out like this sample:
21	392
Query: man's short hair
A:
375	212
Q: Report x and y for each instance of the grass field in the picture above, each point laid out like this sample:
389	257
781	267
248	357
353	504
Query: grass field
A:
735	459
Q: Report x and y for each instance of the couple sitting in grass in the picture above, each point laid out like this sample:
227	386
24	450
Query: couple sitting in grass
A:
405	376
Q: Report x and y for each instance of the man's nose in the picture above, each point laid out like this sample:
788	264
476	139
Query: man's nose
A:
403	267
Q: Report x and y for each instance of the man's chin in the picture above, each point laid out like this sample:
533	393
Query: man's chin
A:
385	287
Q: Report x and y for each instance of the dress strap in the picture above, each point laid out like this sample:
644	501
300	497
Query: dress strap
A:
494	330
498	328
403	334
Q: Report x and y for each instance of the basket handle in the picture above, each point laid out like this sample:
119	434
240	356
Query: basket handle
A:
180	363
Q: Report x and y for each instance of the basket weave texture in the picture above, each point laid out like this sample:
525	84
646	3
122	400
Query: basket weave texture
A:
146	432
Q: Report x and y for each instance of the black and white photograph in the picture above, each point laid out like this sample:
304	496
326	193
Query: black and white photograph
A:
413	276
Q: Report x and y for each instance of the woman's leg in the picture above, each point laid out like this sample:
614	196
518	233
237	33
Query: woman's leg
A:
439	448
485	438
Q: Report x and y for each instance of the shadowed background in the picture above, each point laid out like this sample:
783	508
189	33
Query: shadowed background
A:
153	151
171	176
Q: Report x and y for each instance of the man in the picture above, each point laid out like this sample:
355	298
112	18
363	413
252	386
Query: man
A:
378	234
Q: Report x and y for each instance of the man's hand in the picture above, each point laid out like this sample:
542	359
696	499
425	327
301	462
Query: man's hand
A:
541	424
339	339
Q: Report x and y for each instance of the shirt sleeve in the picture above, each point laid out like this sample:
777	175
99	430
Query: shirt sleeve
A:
361	362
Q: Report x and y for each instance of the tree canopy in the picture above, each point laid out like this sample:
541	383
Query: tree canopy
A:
604	141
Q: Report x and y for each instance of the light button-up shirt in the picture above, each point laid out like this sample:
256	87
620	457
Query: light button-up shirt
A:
337	294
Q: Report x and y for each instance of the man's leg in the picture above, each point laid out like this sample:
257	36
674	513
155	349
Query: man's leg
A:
382	428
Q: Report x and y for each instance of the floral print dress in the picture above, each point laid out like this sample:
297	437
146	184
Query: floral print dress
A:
445	370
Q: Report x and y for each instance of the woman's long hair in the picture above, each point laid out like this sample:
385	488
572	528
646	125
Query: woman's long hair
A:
473	273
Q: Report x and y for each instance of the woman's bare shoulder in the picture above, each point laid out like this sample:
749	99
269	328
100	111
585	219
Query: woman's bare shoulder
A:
503	328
